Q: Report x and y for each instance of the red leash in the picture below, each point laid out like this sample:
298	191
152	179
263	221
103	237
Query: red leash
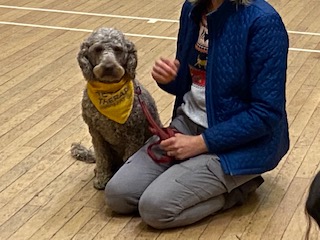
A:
162	133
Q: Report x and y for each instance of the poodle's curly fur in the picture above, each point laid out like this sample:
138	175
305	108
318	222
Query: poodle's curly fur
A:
106	56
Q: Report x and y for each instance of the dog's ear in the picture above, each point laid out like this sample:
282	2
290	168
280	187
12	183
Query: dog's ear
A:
84	63
131	59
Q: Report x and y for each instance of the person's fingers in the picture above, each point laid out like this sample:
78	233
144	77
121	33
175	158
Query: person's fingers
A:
171	65
168	67
158	76
165	143
161	71
165	70
176	65
176	62
161	76
168	145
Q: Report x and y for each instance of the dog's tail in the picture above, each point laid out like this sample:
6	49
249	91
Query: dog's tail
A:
81	153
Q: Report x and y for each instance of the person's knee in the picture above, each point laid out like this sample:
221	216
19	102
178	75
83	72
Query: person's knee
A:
120	198
155	212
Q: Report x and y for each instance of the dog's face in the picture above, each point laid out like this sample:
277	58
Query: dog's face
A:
106	56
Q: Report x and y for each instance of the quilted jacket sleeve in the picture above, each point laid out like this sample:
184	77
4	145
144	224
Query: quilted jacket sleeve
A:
267	63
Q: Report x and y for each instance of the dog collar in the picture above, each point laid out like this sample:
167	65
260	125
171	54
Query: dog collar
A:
113	100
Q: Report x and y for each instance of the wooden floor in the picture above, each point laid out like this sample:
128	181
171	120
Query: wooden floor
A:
45	194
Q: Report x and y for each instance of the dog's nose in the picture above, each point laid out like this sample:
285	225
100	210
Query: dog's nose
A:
108	70
103	70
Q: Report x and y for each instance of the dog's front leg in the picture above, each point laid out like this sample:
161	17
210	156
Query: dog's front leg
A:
103	170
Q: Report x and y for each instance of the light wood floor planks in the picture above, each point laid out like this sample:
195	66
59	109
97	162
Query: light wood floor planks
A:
45	194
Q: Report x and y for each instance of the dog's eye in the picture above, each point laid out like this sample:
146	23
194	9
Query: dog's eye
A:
98	49
117	49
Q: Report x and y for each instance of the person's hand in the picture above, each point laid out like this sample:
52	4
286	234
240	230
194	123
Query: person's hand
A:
165	70
184	146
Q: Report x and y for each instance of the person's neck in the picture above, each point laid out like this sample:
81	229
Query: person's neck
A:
214	5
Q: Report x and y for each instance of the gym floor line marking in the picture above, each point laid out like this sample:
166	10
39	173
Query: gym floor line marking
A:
128	34
82	30
149	20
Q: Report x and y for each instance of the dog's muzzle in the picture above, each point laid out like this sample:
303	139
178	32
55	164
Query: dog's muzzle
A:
108	69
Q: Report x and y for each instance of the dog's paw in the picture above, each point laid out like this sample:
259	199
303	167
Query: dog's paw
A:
100	183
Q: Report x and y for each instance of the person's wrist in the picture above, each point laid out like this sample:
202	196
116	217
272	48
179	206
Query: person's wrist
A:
201	145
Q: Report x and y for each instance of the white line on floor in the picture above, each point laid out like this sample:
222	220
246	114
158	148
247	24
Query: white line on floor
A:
81	30
128	34
149	20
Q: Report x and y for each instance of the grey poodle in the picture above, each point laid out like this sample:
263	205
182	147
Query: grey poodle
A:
110	106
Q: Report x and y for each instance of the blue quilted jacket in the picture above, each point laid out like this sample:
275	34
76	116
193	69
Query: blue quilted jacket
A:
245	83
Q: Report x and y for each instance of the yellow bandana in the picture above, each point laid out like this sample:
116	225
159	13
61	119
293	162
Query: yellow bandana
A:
114	100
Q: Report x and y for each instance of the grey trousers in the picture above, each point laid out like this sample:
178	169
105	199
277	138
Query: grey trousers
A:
171	194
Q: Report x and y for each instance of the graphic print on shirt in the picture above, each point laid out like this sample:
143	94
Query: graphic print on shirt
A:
194	105
198	70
